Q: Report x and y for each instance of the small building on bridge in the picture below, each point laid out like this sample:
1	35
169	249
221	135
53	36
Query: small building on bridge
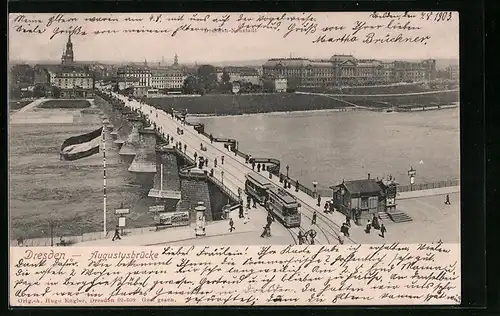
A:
361	199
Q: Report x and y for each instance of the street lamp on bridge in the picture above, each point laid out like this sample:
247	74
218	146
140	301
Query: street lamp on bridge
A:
287	168
411	173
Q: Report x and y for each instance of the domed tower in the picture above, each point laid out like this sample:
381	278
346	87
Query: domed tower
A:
67	57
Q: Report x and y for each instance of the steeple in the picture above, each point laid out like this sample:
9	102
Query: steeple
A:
67	56
176	60
145	62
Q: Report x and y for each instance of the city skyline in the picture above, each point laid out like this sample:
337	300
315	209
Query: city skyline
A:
443	43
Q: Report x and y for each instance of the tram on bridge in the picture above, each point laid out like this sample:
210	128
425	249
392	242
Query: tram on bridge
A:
256	186
283	206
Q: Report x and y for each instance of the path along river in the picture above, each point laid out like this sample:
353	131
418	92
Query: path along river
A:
328	146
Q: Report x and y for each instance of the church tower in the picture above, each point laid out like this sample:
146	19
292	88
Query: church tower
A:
67	56
176	60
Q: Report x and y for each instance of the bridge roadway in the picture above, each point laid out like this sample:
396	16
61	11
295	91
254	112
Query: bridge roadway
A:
327	225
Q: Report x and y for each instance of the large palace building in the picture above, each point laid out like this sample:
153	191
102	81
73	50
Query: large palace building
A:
346	70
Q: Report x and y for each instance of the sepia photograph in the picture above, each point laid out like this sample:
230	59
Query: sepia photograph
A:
208	139
234	129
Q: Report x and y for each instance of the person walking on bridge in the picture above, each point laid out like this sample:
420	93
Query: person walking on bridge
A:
300	236
297	186
231	225
319	200
447	201
215	162
185	148
253	165
383	230
258	167
117	234
211	139
195	154
222	160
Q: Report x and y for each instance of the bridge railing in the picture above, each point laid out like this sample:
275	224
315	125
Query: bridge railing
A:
428	186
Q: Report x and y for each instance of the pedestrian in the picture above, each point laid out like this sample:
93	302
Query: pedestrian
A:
285	183
383	230
319	200
300	236
348	220
240	211
264	233
211	139
258	167
206	162
270	219
215	162
222	160
195	155
313	222
296	186
345	229
368	227
246	159
326	207
117	234
231	225
185	148
253	165
447	202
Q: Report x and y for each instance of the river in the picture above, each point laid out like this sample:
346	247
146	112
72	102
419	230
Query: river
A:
328	146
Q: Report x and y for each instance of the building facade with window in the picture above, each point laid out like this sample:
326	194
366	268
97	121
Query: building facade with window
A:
342	70
142	74
361	199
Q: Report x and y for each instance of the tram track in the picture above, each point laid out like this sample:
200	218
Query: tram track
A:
306	210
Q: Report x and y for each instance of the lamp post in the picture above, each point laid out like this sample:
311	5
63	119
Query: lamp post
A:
287	168
411	173
315	184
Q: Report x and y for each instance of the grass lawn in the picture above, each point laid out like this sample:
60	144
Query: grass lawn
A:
418	100
247	104
16	105
65	104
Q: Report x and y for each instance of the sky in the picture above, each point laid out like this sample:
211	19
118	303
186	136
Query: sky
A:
442	30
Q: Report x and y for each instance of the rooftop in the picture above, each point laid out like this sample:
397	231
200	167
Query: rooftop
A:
361	186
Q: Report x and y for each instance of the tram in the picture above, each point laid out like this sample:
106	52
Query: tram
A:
283	206
256	186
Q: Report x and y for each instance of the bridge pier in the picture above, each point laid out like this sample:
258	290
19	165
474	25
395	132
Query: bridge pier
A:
144	164
166	183
129	148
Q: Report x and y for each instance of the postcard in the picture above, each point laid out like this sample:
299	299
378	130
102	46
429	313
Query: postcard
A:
237	159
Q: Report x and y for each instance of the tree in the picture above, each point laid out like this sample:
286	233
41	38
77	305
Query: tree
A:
191	85
56	92
225	77
39	91
208	77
